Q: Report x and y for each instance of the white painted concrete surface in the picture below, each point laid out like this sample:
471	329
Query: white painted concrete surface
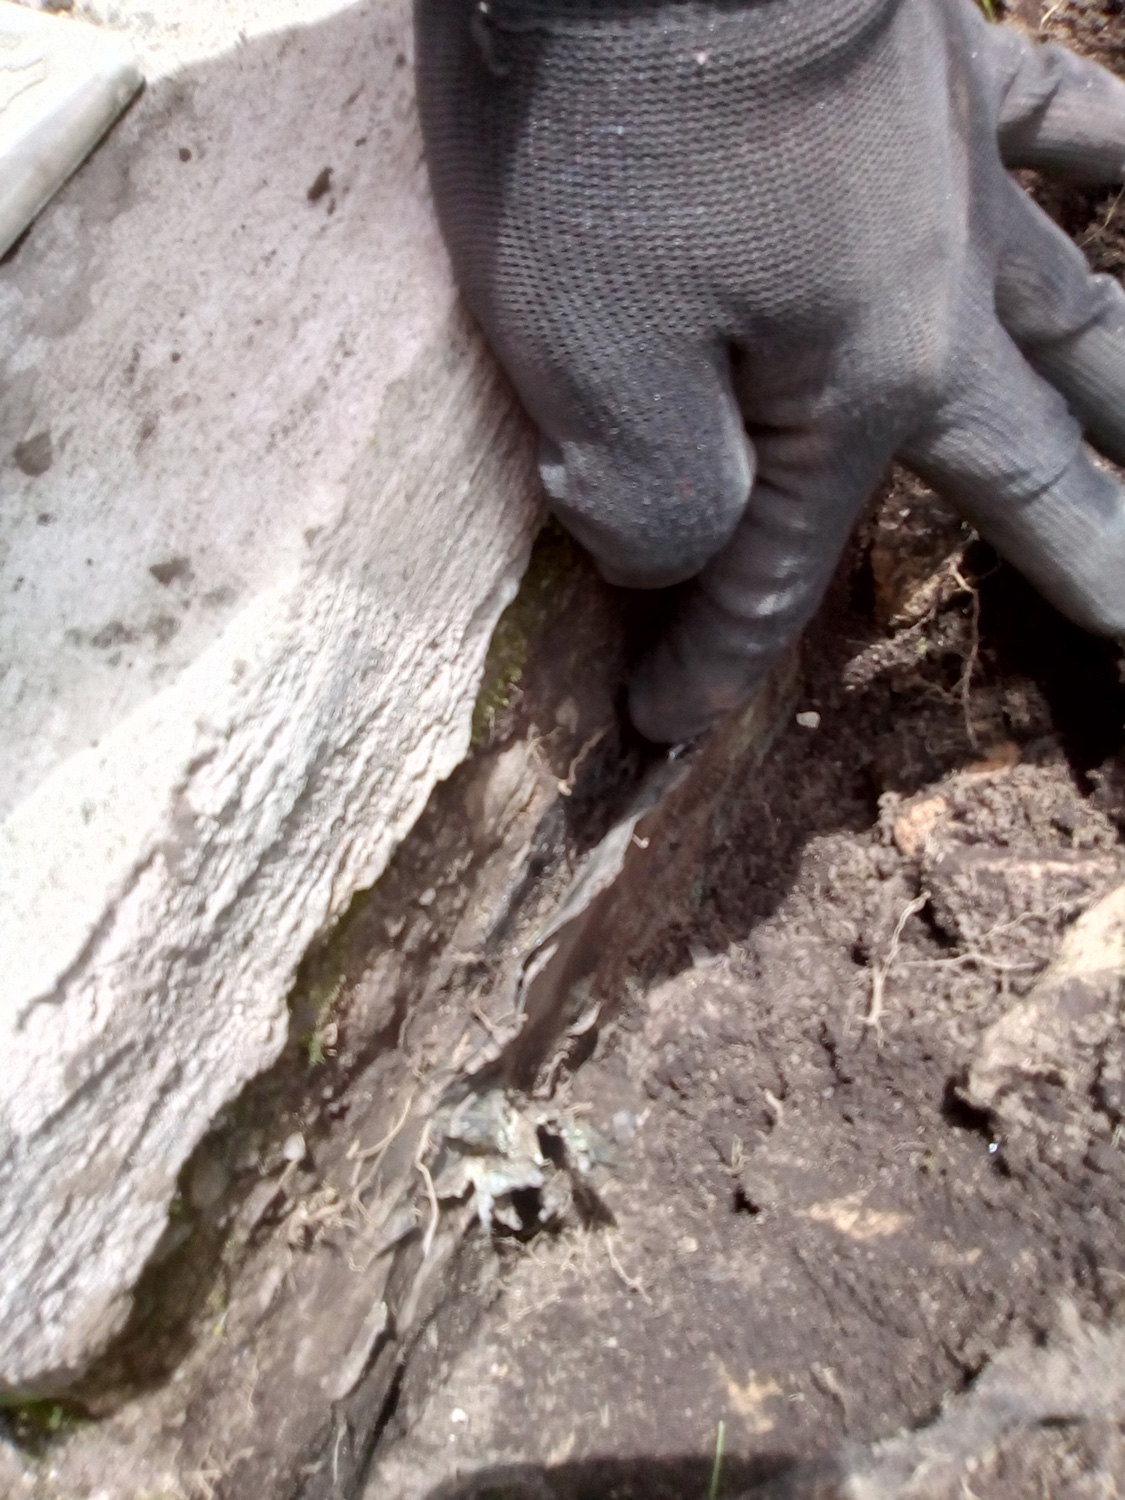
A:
262	498
62	84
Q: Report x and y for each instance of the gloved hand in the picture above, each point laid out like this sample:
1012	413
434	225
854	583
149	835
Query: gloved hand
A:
633	189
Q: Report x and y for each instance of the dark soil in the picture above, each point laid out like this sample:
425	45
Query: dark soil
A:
814	1237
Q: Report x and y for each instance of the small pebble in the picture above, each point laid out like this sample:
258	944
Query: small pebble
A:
809	720
295	1148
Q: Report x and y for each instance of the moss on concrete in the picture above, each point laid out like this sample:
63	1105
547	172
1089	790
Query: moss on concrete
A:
552	559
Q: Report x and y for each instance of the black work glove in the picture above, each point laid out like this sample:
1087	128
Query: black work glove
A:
632	189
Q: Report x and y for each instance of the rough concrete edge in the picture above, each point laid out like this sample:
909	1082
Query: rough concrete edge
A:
173	720
45	154
412	1295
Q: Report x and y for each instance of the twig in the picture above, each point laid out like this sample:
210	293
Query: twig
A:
630	1281
965	686
203	1478
874	1016
1112	209
533	1308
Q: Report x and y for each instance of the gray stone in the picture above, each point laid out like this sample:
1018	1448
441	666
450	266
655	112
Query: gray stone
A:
1037	1069
265	496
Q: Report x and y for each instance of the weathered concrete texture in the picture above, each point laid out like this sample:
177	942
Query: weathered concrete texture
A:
61	86
264	498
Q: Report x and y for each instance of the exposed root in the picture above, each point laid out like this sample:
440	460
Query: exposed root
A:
965	685
566	786
874	1016
379	1150
431	1194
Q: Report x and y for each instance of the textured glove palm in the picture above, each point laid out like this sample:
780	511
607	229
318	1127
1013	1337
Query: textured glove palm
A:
633	189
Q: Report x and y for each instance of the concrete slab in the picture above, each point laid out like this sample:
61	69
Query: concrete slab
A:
264	494
62	85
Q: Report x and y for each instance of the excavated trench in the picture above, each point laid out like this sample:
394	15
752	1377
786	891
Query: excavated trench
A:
780	1086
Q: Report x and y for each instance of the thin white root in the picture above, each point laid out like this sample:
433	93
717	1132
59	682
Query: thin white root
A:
874	1016
630	1281
431	1194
